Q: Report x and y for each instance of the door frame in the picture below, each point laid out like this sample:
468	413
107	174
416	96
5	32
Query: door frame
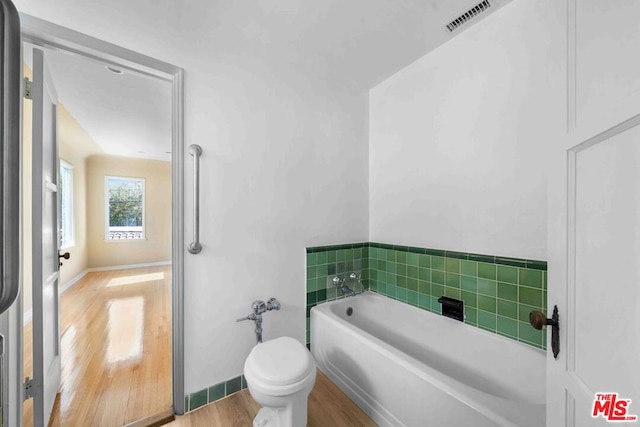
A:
51	36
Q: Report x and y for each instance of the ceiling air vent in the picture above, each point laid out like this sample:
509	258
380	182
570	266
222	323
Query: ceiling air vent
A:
468	15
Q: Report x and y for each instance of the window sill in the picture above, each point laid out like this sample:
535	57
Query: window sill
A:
144	239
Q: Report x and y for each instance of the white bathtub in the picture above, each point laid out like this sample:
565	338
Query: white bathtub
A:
408	367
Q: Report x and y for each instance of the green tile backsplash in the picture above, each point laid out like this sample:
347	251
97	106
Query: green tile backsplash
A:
498	292
323	263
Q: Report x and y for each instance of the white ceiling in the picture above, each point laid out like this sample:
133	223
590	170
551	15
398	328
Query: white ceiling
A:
355	44
352	45
125	114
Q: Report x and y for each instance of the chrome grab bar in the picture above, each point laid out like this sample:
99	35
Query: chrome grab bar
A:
195	247
10	110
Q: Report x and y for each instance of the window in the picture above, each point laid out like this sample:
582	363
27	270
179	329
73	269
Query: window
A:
66	205
125	208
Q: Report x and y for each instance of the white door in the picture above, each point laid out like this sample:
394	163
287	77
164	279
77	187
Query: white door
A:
594	220
46	314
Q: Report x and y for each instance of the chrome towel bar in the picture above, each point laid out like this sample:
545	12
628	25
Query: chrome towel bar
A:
195	247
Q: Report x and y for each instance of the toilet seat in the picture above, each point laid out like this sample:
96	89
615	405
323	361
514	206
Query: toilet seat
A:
280	366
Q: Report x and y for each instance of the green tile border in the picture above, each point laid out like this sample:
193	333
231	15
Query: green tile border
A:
316	249
499	291
494	259
216	392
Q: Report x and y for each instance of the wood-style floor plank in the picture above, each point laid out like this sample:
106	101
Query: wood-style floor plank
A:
116	349
328	407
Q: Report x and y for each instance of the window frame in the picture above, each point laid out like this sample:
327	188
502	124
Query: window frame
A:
72	241
106	209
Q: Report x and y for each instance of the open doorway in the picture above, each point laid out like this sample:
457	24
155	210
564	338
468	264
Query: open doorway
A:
115	207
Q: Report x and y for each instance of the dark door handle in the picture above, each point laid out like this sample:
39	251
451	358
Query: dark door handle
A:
65	255
538	320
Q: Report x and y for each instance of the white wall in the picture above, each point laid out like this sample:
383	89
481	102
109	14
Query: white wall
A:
284	167
74	144
458	141
156	245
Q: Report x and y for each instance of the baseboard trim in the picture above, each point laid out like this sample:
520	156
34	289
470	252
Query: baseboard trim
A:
129	266
214	393
73	281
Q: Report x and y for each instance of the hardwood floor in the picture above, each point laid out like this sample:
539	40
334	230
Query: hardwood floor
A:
116	360
116	349
328	407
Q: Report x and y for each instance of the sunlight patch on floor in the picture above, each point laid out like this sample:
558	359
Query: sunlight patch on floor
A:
69	377
140	278
125	329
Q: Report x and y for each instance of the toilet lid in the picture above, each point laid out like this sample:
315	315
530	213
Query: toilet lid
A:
281	361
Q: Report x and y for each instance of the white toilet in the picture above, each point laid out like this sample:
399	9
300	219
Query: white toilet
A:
280	374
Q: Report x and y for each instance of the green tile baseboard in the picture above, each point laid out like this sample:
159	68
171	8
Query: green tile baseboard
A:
499	292
216	392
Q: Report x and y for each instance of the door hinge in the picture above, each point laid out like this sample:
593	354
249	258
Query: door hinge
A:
27	88
29	387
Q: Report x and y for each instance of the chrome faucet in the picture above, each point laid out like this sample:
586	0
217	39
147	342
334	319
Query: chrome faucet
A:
258	308
346	290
